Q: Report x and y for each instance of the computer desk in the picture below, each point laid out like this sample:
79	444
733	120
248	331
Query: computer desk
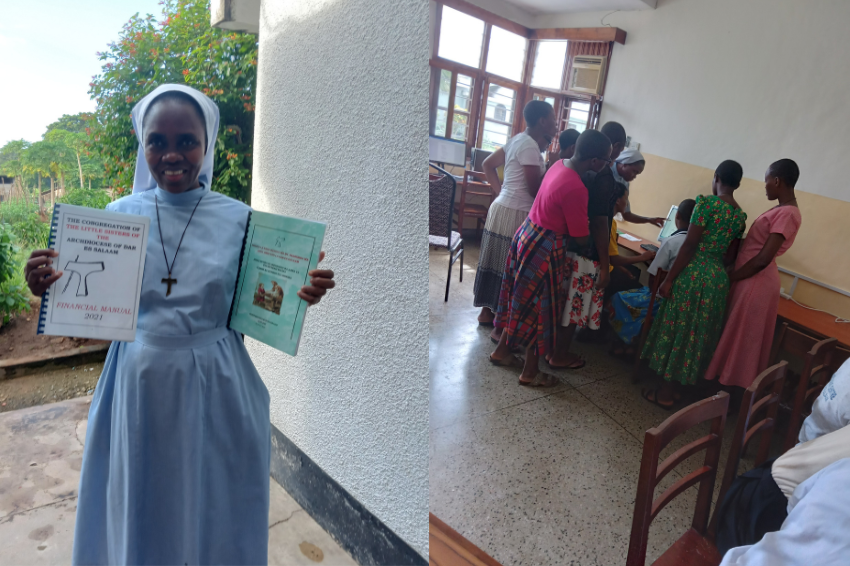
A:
634	246
816	323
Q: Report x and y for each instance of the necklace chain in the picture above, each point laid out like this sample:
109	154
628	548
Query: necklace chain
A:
162	240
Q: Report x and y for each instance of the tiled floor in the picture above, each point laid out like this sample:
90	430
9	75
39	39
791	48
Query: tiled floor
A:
40	456
537	476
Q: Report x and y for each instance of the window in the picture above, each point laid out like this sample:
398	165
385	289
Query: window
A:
549	64
459	106
462	106
484	70
578	113
498	117
461	37
506	54
544	98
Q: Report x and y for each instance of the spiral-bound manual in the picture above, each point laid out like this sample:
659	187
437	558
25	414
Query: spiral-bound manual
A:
102	260
277	253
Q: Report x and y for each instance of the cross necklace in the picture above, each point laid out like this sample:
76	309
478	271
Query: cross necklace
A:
168	280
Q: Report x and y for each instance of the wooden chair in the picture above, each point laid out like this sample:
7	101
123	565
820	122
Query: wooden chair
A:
820	364
647	322
694	548
474	185
763	395
441	200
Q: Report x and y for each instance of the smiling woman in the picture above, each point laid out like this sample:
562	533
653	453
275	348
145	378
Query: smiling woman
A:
174	140
179	426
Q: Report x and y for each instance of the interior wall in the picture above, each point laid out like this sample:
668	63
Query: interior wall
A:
341	83
754	81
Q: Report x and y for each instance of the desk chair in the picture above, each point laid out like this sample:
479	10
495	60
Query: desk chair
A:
695	547
474	184
647	322
763	394
441	200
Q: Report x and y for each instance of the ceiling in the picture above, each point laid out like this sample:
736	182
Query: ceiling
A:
538	7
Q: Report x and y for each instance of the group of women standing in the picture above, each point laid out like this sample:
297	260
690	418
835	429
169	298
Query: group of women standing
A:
721	295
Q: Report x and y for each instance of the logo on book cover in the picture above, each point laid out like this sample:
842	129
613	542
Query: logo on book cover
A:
81	270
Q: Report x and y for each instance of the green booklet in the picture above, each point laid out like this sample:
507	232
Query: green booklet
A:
277	254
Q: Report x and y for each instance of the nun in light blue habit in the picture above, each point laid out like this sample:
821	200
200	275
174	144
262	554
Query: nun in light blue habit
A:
176	462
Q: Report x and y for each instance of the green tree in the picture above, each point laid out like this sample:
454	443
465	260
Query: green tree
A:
181	47
77	142
76	123
52	159
12	162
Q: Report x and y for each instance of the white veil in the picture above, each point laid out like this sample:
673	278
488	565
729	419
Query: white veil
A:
144	181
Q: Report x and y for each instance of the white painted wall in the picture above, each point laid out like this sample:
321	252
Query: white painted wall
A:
342	111
755	81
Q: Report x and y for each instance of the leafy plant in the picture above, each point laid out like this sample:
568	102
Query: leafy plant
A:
15	211
179	48
32	232
94	198
14	296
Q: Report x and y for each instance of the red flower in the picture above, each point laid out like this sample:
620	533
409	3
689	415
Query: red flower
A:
185	72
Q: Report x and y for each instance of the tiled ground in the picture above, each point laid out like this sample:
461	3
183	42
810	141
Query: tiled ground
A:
537	476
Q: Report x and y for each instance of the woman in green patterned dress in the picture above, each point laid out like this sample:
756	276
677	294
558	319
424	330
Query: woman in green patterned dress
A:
688	324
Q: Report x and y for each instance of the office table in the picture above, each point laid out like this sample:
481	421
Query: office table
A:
821	324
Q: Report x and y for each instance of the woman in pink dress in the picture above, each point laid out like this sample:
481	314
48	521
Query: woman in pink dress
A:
744	348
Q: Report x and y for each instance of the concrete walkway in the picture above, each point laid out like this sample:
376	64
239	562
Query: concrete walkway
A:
41	451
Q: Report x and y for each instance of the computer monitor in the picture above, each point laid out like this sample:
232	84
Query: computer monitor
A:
446	151
669	224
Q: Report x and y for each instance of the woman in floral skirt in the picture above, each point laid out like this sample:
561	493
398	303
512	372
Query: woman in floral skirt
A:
688	325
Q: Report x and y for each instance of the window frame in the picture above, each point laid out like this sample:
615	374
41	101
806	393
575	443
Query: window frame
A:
525	92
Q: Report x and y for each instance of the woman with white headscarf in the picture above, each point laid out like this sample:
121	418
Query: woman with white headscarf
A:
628	166
176	462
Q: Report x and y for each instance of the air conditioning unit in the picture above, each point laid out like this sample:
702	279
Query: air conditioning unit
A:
588	74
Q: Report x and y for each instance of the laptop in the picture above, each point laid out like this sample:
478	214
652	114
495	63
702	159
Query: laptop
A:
669	224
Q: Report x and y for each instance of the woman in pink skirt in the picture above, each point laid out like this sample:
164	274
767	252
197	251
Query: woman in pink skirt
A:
744	348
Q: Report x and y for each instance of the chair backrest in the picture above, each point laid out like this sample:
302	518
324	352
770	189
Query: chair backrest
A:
660	275
441	201
478	157
762	397
647	506
820	364
792	341
475	183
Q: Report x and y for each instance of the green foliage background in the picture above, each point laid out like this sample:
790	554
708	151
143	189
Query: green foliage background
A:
180	47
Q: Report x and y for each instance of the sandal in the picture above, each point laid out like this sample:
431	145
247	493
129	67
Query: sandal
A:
581	361
487	324
541	380
512	361
645	394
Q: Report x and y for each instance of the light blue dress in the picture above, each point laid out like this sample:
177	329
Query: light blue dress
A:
176	462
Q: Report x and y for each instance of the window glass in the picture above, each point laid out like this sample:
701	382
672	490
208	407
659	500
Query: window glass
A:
549	64
462	105
461	37
443	103
498	117
506	54
579	112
